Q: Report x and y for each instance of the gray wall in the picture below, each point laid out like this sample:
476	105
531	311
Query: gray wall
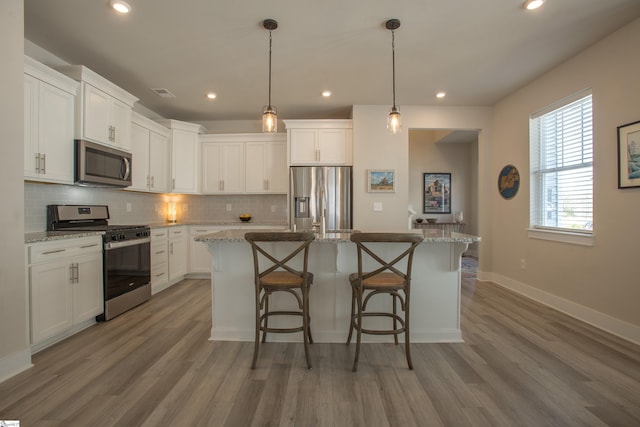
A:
599	283
14	351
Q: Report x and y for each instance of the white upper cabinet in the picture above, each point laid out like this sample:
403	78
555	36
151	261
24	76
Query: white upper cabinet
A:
103	110
266	166
48	123
150	155
185	155
222	167
244	163
320	142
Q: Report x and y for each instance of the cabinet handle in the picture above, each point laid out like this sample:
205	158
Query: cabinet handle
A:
265	184
37	162
152	182
53	252
221	185
171	248
173	183
89	246
74	273
160	274
148	181
114	134
177	232
159	252
43	168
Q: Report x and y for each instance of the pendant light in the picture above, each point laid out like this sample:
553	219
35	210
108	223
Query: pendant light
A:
394	124
269	116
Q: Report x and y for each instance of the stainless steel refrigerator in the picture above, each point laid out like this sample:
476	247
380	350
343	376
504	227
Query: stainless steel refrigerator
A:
320	198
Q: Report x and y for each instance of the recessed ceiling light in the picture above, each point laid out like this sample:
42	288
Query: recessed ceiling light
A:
120	6
533	4
326	93
211	95
441	94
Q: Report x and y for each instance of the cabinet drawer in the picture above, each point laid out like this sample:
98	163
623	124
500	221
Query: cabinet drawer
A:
159	273
158	234
159	253
175	233
51	251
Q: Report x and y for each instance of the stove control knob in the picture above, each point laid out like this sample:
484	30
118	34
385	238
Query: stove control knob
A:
122	237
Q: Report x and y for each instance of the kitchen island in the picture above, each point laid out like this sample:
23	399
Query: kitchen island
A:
435	287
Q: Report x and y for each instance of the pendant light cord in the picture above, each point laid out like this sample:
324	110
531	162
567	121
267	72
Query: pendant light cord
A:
393	61
270	69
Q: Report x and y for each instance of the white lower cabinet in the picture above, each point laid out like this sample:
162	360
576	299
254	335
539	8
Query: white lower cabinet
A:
177	252
199	257
65	286
169	254
159	260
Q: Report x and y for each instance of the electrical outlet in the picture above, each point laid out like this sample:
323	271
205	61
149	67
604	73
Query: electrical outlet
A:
229	207
377	207
185	207
128	207
523	263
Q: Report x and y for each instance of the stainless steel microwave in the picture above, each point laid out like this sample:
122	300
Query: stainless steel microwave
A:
101	166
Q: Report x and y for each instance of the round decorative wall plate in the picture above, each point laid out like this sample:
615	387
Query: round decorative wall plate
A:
508	182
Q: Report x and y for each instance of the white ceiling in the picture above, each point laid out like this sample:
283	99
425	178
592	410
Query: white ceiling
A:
478	51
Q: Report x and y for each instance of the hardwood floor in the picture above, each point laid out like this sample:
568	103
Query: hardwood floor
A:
521	364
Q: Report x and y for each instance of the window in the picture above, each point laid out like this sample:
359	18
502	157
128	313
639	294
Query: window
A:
561	148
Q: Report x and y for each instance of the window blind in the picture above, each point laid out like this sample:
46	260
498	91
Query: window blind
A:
561	148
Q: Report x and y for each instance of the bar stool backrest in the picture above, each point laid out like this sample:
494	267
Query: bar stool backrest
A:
363	241
258	241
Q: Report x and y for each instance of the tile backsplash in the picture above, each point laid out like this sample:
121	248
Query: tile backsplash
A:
130	207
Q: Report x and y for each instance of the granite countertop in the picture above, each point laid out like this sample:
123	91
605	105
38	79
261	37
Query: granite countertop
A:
430	236
47	236
236	223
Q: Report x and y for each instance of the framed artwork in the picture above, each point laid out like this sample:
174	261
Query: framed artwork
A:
508	182
629	155
437	193
381	181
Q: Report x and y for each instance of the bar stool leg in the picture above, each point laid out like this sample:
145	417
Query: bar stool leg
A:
407	348
256	345
353	309
305	324
358	327
395	321
266	317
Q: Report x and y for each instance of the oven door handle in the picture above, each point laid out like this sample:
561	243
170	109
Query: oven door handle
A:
116	245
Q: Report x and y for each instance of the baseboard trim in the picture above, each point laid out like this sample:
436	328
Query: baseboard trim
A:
425	336
617	327
15	363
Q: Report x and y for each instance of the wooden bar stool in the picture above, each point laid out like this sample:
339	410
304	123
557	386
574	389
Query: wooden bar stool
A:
277	275
387	279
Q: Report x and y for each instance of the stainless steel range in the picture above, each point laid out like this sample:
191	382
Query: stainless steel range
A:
126	254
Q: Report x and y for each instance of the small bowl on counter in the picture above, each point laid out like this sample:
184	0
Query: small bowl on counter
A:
419	220
432	220
245	217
